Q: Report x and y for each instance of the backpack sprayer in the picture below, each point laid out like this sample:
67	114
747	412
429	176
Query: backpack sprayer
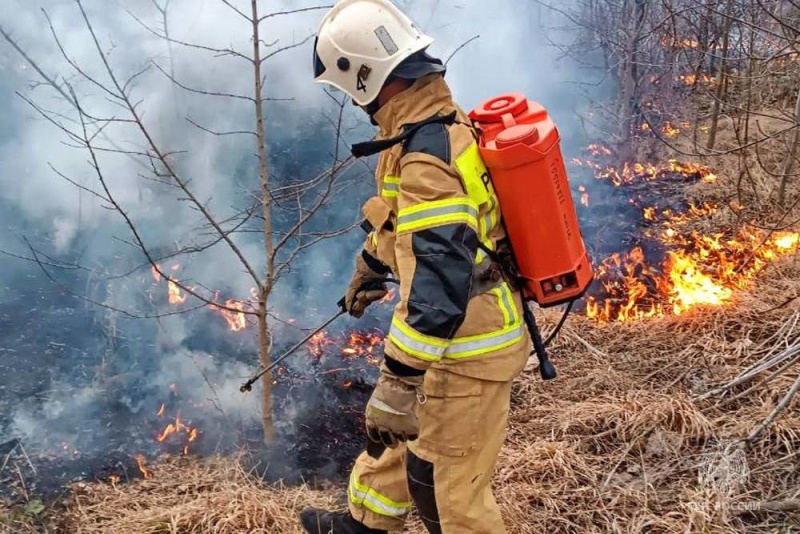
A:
519	144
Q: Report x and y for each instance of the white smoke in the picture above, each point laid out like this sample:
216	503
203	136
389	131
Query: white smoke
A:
511	54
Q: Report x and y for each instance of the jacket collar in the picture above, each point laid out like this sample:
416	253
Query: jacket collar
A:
426	97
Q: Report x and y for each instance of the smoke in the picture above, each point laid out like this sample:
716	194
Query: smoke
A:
71	223
509	54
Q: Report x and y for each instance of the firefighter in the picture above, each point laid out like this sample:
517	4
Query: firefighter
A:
457	337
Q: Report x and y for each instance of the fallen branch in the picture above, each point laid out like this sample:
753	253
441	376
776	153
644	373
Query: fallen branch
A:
778	409
774	358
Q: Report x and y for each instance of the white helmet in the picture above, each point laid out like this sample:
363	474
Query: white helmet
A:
360	43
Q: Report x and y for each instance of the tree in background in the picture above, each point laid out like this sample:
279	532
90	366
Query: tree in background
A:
108	118
684	69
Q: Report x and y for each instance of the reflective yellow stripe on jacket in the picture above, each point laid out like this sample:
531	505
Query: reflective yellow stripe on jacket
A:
369	498
434	349
480	191
391	186
436	213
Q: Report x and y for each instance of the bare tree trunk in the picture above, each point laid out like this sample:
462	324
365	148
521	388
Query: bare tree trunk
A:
792	156
720	89
264	351
628	78
264	336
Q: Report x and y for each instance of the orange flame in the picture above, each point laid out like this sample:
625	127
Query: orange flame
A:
630	172
176	296
701	270
674	42
691	79
695	270
179	427
141	460
670	130
236	320
787	242
356	345
317	342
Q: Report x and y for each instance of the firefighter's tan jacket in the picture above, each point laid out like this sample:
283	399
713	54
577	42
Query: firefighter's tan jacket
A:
435	204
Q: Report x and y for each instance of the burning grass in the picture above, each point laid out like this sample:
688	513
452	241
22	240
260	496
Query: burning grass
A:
619	443
681	251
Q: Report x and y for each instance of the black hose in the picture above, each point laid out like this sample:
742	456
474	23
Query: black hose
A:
560	324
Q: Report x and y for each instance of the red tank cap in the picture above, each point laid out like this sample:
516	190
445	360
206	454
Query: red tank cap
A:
494	108
526	134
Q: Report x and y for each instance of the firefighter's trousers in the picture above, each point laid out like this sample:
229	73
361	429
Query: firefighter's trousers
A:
447	471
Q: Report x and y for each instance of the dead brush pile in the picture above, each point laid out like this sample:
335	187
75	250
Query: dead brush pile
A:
620	442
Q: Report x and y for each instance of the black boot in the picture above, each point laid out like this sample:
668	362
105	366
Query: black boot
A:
318	521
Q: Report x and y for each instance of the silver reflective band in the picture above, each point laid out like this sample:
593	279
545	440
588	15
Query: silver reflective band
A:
482	345
388	186
371	499
505	294
436	212
416	347
385	509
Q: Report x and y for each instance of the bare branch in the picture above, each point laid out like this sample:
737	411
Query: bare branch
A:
163	159
237	10
285	48
235	132
200	91
164	36
291	12
462	45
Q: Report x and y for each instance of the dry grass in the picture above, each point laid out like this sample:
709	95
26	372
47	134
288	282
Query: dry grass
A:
14	521
616	444
188	496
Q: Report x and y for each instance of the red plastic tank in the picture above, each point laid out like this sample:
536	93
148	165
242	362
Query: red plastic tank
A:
520	146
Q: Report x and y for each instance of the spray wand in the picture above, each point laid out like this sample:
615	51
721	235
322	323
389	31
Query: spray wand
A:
366	286
248	386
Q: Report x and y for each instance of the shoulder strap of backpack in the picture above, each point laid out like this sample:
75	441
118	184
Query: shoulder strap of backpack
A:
369	148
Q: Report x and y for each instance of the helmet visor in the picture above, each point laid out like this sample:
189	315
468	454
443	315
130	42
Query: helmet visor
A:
319	67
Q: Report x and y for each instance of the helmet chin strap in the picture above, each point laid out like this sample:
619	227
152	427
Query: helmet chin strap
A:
372	108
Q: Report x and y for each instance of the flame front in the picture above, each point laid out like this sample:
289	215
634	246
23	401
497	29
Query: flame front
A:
682	269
